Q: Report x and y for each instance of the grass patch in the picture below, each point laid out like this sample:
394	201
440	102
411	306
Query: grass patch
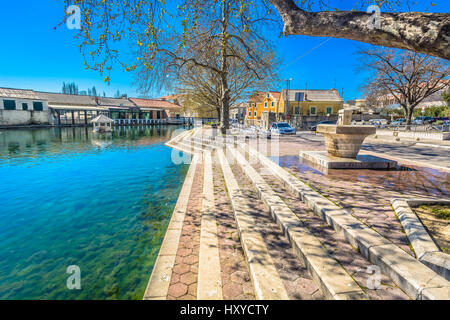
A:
441	212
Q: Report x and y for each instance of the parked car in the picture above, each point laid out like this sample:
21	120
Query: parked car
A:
398	122
314	127
282	128
441	119
264	133
379	122
422	120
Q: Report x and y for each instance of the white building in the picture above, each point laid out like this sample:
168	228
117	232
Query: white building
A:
22	107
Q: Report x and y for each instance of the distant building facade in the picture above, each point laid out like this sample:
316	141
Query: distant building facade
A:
238	111
310	102
259	103
23	107
29	107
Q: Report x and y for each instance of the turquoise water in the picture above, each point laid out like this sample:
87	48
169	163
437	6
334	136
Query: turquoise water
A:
70	197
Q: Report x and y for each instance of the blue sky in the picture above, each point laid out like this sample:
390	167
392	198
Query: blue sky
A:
36	56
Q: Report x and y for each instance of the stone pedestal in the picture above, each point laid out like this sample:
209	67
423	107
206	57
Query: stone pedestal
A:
344	141
362	161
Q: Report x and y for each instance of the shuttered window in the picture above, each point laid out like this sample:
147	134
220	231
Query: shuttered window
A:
24	106
37	106
9	104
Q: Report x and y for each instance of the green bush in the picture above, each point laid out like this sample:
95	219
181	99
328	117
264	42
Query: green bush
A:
436	111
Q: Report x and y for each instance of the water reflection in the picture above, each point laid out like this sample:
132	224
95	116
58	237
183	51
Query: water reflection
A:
72	197
43	142
411	179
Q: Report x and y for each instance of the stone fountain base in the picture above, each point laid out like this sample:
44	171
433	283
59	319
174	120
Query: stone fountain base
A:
362	161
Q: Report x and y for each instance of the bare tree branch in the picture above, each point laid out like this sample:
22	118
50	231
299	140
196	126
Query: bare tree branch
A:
427	33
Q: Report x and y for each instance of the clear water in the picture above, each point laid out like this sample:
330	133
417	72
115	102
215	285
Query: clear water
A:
72	197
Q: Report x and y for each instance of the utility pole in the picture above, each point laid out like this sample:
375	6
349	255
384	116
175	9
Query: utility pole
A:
286	106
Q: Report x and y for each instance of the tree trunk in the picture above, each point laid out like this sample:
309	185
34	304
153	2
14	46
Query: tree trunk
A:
218	113
427	33
225	107
225	98
408	116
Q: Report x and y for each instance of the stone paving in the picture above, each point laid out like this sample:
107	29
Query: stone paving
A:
235	275
295	276
183	284
355	265
236	283
367	193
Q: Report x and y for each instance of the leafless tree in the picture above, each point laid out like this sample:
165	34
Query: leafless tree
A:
202	87
408	77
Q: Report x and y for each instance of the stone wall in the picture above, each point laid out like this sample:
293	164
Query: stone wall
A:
425	135
305	122
24	117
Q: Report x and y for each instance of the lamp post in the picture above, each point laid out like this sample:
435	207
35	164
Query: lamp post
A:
286	108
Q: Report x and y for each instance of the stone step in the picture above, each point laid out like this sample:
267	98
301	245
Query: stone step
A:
266	281
209	284
188	147
416	279
330	276
158	284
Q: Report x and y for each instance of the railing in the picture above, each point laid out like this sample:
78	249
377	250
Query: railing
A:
131	122
418	128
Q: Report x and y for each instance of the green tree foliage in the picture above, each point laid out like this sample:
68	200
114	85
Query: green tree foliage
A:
446	96
70	88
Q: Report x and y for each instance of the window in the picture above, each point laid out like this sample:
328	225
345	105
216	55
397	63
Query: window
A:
312	111
272	104
37	106
297	110
255	113
299	96
329	110
24	106
268	95
265	104
254	105
9	104
249	113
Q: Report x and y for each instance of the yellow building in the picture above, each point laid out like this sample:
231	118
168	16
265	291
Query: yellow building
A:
261	102
311	102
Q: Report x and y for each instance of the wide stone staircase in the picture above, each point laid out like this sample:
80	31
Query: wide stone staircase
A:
297	244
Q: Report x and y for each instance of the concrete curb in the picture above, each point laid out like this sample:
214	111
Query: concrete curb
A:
158	284
209	284
405	161
266	281
329	275
426	249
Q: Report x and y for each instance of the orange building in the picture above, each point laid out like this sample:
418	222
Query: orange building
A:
261	102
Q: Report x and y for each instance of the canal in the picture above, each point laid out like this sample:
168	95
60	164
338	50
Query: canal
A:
70	197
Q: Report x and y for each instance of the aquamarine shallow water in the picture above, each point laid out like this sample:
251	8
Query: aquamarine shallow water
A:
69	197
